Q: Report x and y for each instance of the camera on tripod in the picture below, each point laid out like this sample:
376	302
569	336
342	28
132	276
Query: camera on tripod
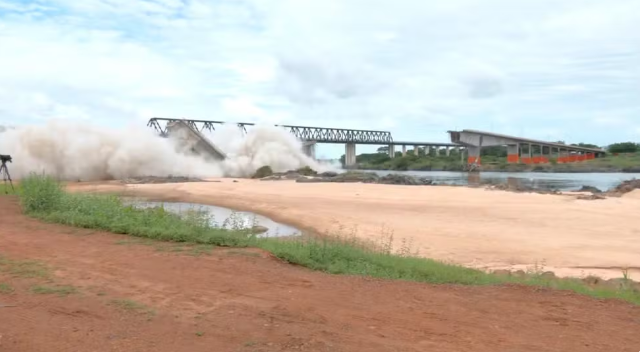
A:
4	171
6	158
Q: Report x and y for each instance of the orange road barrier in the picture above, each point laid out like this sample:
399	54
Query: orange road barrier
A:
513	158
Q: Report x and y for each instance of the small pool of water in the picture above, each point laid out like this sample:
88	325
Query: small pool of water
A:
226	218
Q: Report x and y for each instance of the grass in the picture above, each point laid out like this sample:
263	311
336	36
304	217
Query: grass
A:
43	197
53	290
132	306
24	268
5	289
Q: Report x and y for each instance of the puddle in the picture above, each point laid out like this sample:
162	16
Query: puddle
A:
227	218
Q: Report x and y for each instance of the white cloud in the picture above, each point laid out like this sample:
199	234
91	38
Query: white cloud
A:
416	67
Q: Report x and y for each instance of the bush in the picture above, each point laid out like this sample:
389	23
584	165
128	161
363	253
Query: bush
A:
263	172
40	193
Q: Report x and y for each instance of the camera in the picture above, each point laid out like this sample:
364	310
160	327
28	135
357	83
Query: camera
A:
4	158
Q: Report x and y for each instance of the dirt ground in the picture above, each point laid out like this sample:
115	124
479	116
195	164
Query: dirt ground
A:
139	296
474	227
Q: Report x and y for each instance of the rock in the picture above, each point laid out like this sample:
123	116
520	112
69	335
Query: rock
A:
263	172
328	174
355	176
548	275
235	181
502	272
591	189
257	229
625	187
592	280
519	274
398	179
618	284
591	197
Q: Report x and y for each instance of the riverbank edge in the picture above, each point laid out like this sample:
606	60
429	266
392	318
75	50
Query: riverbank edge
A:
386	265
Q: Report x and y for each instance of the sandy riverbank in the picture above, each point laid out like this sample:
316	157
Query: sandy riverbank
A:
473	227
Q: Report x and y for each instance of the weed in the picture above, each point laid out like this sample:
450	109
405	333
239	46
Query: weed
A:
54	290
132	306
24	268
6	288
199	333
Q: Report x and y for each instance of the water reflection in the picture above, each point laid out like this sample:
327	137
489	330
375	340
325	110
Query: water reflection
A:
226	218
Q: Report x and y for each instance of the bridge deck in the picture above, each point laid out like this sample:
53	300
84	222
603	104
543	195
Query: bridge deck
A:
515	139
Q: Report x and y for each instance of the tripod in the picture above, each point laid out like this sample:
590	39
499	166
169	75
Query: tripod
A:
6	176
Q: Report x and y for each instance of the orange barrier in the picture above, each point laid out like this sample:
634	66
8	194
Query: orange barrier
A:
525	160
473	160
513	158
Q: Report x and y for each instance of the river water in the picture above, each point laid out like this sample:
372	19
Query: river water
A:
537	180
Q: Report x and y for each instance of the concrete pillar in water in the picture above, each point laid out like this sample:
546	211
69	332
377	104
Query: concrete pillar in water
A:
447	151
404	150
350	155
473	156
513	153
392	151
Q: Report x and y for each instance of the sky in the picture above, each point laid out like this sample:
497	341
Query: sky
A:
552	70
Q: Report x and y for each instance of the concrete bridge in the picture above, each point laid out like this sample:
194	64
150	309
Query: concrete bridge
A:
310	136
521	150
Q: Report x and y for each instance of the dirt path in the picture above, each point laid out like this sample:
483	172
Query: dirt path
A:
473	227
161	297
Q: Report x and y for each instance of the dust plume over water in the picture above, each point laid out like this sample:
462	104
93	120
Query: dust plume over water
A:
90	153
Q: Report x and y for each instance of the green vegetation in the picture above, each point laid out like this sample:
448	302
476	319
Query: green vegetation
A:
495	159
329	254
44	198
132	306
54	290
24	268
5	288
262	172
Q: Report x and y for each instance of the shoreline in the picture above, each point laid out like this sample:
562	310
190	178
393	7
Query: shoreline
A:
463	225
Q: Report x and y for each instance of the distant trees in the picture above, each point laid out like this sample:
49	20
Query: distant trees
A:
625	147
585	145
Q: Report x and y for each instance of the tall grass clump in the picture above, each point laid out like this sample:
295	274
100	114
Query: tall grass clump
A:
40	194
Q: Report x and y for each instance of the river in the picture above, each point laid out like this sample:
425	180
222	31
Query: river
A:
537	180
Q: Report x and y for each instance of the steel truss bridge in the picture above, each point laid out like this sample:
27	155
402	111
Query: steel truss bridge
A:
305	133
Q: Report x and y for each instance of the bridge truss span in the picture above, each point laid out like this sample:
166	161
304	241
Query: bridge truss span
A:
305	133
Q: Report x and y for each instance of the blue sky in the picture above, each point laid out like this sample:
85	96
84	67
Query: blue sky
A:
554	70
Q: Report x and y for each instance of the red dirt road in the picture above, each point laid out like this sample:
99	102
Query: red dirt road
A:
245	301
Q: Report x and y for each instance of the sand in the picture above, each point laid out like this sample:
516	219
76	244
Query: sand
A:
473	227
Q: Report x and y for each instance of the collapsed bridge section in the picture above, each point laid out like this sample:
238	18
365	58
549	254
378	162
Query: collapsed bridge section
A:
193	141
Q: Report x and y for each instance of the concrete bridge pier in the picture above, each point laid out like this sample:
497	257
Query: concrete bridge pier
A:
404	150
473	155
447	151
392	151
350	155
416	150
513	153
309	149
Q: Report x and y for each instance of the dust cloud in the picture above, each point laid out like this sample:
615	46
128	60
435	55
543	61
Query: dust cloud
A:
91	153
